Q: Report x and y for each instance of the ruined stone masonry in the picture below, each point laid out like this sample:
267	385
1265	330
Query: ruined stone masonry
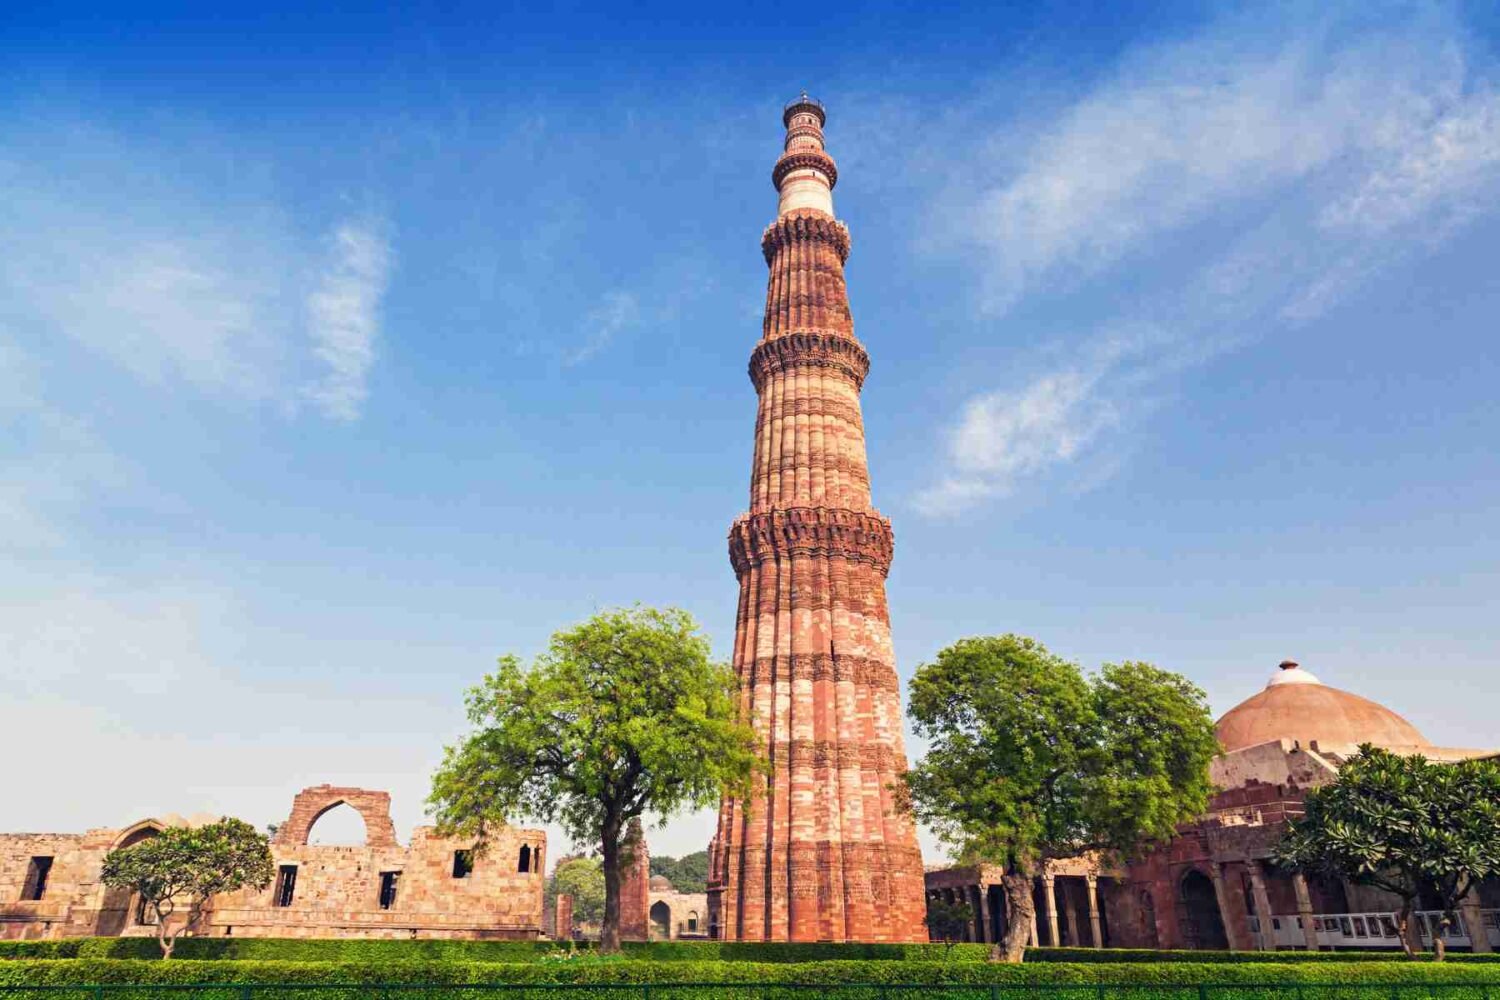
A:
819	853
635	887
431	888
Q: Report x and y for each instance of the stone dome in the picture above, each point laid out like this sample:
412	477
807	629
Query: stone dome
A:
660	883
1296	705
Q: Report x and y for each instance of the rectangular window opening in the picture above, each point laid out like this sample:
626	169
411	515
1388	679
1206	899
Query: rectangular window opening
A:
388	889
463	863
286	884
36	878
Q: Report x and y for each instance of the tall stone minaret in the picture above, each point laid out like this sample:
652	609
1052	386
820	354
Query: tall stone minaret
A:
820	853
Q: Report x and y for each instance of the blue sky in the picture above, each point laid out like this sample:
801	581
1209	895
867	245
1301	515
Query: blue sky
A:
340	353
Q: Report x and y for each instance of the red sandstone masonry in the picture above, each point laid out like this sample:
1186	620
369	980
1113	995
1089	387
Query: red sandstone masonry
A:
635	889
820	852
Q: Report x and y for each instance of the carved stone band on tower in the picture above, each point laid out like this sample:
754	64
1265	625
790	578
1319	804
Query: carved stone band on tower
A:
819	853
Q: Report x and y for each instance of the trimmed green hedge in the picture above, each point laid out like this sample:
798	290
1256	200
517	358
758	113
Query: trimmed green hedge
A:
1095	956
1158	981
358	950
366	950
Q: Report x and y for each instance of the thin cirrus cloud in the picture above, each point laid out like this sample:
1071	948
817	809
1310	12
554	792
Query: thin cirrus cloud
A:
182	279
344	317
617	311
1323	158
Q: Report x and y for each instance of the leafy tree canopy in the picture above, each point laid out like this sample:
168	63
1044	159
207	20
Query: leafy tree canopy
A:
1030	760
624	713
186	866
583	879
688	873
1403	824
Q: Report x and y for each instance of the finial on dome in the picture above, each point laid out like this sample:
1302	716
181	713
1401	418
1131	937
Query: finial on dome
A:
1291	673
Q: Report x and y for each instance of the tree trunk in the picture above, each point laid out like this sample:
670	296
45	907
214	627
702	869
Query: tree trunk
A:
609	932
164	939
1406	927
1020	913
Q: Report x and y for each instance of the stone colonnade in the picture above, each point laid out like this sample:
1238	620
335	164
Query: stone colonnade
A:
1067	908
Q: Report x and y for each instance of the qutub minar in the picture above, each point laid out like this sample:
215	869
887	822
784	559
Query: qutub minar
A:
819	853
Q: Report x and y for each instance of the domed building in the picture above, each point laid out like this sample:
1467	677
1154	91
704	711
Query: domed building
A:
1296	705
1213	886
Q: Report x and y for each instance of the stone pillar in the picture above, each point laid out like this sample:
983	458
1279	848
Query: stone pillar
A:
1070	916
562	918
1305	911
1092	882
1479	938
635	891
1234	923
986	931
1049	900
1262	905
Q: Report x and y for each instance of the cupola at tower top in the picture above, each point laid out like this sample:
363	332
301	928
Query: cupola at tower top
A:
805	174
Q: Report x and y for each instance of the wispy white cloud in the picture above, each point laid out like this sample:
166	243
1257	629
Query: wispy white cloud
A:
1318	157
1055	418
51	461
344	317
617	311
183	281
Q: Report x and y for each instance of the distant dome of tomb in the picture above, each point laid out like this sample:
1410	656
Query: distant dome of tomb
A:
660	883
1296	705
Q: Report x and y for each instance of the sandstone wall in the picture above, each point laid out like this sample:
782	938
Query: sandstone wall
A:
337	891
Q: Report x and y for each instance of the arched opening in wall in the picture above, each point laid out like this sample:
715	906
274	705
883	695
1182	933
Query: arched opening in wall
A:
1203	926
524	864
661	921
123	908
339	825
692	922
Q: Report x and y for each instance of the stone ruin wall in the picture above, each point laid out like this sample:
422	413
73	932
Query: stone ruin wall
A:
74	897
336	893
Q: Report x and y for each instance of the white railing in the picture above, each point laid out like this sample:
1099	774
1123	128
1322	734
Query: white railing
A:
1373	930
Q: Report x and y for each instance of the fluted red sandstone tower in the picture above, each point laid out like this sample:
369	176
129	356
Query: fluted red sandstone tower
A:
820	854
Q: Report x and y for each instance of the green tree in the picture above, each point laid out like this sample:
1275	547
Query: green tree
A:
583	879
1029	760
187	866
1406	825
688	873
946	921
624	713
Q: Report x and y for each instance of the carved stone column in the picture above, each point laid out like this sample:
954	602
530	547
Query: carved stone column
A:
1305	911
1070	916
986	934
1049	900
1234	924
1262	905
1092	882
1479	938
